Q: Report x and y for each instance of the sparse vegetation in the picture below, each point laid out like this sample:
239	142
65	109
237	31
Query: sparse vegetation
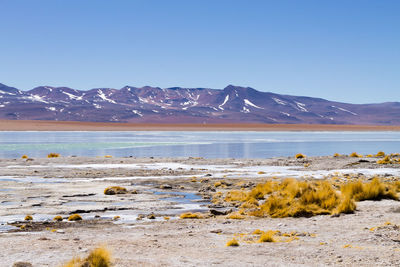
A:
99	257
75	217
24	157
28	218
53	155
108	156
299	156
114	190
336	155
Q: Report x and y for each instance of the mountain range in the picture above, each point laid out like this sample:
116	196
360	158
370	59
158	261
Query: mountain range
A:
233	104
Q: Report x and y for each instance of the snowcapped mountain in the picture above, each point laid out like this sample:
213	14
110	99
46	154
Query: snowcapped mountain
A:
233	104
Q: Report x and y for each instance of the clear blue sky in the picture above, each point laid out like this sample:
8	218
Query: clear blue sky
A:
345	50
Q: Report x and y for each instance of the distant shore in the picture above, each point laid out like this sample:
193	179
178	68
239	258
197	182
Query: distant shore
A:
32	125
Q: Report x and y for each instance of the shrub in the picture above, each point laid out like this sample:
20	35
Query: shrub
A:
113	190
232	243
53	155
354	155
189	215
28	218
336	155
24	157
299	156
99	257
58	218
267	236
257	232
75	217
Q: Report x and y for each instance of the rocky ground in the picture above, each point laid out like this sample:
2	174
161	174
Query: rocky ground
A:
149	232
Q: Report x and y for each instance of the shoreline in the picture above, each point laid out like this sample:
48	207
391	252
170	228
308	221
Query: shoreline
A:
143	226
32	125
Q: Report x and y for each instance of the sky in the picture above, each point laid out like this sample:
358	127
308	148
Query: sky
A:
341	50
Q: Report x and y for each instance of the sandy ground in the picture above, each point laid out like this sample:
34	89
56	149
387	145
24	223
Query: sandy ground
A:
14	125
168	187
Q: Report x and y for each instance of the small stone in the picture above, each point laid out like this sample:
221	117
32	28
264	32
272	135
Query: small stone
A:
22	264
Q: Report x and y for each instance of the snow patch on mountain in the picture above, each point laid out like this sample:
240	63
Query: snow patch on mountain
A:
248	103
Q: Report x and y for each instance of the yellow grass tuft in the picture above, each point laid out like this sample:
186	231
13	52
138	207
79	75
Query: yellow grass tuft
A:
260	172
299	156
336	155
24	157
75	217
232	243
217	184
53	155
108	156
189	215
113	190
267	236
116	218
346	206
257	232
235	216
28	218
58	218
380	154
385	160
99	257
355	155
374	190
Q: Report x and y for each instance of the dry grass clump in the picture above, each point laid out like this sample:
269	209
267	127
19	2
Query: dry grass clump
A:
267	236
336	155
190	215
374	190
235	216
299	156
385	160
380	154
99	257
232	243
355	155
113	190
58	218
108	156
75	217
28	218
293	198
24	157
53	155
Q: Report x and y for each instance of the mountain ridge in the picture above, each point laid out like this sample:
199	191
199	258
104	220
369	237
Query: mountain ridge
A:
147	104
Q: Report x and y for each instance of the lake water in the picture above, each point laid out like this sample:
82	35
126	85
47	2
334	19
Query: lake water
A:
195	144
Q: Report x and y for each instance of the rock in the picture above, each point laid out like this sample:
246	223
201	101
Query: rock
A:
165	186
220	211
22	264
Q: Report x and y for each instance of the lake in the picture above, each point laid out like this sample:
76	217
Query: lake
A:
195	144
